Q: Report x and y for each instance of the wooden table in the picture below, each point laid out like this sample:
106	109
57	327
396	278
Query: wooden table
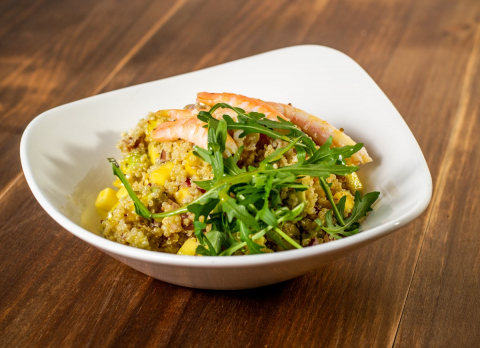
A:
419	286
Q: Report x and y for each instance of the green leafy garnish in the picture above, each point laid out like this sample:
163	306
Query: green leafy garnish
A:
350	226
242	205
140	208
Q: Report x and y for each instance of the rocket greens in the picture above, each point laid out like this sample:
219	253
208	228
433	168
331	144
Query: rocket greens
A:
243	205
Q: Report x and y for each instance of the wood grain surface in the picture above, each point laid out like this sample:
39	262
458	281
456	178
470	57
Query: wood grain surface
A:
418	287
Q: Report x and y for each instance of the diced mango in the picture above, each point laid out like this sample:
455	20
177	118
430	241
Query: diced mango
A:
190	170
122	192
181	194
353	182
189	247
153	152
191	162
348	203
117	183
106	199
162	173
151	126
192	159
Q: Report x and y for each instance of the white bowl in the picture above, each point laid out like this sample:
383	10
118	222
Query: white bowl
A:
64	157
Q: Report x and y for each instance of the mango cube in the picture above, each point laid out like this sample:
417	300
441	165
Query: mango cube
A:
153	152
161	174
193	160
106	199
151	126
190	170
181	194
189	247
122	192
353	182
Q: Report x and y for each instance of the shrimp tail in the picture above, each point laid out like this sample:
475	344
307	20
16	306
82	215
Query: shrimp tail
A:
320	130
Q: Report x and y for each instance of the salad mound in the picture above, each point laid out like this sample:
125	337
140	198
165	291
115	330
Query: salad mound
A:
248	184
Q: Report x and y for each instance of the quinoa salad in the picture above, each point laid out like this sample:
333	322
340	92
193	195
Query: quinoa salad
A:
232	175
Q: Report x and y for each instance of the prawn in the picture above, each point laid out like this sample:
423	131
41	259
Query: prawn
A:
240	101
315	127
321	130
178	114
190	129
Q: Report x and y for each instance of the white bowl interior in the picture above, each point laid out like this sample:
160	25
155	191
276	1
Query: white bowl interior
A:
64	150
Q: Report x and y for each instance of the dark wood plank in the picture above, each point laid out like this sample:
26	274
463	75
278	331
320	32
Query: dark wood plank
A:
30	27
442	307
79	55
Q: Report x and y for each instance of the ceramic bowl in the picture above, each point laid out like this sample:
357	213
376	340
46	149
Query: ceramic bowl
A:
64	157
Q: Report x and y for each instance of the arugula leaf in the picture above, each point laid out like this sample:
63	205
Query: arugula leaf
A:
319	169
199	226
252	127
360	209
277	155
218	240
245	233
203	209
325	153
362	205
217	136
265	214
140	208
326	188
234	210
230	163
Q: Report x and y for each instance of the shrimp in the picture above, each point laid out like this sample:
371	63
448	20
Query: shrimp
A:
321	130
189	129
315	127
240	101
178	114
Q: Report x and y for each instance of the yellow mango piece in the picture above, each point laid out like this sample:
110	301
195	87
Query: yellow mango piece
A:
189	247
190	170
181	194
122	192
117	183
151	126
348	203
106	199
193	160
153	152
353	182
161	174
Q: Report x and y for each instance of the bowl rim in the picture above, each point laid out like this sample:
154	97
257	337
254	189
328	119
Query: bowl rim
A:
215	262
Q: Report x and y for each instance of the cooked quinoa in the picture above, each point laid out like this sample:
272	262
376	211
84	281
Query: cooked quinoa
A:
143	160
